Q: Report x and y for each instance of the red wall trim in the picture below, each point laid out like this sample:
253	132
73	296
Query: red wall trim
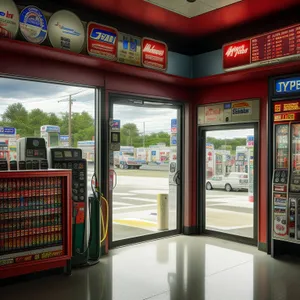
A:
239	91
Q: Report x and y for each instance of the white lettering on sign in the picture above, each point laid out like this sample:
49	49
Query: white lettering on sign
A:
288	86
235	51
151	49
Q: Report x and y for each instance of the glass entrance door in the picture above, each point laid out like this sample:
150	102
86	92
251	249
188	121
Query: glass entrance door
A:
145	167
229	187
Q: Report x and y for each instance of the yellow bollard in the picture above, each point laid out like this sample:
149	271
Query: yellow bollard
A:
162	211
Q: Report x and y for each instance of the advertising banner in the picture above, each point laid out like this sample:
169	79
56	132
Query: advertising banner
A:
33	25
102	41
213	114
154	54
174	125
242	108
236	54
288	85
66	31
7	131
129	49
9	19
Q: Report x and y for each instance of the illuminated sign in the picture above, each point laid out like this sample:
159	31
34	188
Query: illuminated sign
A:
284	117
287	86
284	107
270	48
9	19
241	108
102	41
236	54
129	49
154	54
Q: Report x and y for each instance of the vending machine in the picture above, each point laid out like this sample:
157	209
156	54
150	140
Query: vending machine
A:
286	175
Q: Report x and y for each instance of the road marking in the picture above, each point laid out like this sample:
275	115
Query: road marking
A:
121	203
135	206
150	192
137	223
139	199
122	194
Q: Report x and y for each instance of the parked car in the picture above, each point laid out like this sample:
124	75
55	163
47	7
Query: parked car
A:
233	181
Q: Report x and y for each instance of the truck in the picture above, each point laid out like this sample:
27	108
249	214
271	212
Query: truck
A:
125	158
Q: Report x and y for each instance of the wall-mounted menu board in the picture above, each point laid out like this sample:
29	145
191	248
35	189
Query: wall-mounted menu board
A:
273	47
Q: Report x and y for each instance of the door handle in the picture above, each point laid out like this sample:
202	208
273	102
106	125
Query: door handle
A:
177	177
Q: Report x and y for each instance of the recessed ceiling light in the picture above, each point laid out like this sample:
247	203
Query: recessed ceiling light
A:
191	1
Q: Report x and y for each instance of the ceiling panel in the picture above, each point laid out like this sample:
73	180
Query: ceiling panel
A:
193	9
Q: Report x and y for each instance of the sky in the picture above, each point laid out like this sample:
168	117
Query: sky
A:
230	134
46	96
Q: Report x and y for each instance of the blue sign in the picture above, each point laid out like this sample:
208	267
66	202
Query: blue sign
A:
33	25
174	140
50	128
153	153
174	123
116	124
7	130
64	138
287	86
227	106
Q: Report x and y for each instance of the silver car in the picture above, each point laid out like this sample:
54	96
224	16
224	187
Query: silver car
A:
233	181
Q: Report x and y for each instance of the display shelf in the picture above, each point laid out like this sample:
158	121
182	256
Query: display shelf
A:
35	220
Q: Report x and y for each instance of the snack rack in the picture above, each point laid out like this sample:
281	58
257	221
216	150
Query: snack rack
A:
35	221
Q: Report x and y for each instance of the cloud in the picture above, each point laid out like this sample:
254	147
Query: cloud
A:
230	134
45	96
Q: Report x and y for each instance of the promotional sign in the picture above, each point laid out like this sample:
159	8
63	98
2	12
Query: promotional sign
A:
287	106
287	111
115	125
7	131
273	47
288	85
9	19
102	41
129	49
66	31
33	25
50	128
213	114
174	125
250	141
241	108
236	54
173	139
64	140
154	54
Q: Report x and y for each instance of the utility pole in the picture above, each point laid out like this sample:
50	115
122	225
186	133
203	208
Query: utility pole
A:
144	135
70	100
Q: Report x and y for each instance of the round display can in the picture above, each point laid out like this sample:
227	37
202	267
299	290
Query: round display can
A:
66	31
9	19
33	25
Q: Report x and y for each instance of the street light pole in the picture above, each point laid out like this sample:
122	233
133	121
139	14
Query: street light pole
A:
70	100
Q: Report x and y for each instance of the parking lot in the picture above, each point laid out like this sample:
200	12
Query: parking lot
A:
135	205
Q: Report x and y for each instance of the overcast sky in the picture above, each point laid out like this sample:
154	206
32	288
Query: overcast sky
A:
46	96
239	133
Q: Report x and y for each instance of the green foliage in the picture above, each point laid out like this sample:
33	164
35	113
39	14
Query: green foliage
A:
226	144
29	123
130	136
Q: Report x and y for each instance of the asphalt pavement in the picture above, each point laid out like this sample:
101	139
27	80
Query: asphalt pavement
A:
135	205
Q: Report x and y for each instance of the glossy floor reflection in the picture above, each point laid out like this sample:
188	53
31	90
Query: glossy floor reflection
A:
181	267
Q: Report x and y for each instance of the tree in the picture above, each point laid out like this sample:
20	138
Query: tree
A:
130	135
157	138
37	118
16	116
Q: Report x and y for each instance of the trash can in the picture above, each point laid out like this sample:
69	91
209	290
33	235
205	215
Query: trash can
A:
162	211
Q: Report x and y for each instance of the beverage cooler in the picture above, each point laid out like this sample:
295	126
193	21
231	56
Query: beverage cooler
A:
35	221
286	177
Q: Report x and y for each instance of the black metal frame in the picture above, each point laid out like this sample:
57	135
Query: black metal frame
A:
271	99
201	175
133	100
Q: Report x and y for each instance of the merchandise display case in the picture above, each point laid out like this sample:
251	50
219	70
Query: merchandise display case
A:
35	221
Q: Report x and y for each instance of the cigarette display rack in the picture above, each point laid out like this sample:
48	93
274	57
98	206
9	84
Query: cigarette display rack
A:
35	221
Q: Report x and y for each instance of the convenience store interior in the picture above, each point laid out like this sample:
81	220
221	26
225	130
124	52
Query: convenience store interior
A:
110	159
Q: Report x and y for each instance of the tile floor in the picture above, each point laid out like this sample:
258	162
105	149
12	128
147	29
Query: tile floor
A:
181	267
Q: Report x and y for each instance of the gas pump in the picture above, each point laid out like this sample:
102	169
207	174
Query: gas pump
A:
32	153
71	158
51	134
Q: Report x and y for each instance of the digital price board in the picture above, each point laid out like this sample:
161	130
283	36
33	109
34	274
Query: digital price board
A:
273	47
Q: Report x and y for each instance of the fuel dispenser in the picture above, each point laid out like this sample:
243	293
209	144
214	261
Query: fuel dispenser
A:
86	211
32	154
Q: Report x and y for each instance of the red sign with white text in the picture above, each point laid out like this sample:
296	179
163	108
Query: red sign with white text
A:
102	41
154	54
236	54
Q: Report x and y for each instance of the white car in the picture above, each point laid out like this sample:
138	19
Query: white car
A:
233	181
